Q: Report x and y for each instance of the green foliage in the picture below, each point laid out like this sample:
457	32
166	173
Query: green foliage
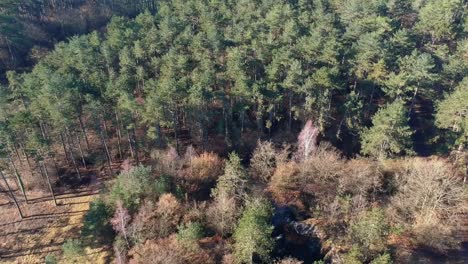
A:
189	234
390	134
452	112
50	259
233	181
96	221
253	233
353	256
440	18
370	231
162	185
382	259
130	187
72	249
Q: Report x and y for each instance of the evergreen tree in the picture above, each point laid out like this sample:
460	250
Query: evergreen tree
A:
452	113
390	134
252	236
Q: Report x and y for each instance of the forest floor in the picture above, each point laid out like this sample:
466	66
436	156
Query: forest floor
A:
45	227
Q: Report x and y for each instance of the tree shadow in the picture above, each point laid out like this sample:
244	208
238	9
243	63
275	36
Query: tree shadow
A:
39	216
34	230
42	249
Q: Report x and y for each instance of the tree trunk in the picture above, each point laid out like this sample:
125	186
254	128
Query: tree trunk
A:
119	134
290	111
17	153
159	134
130	147
104	144
28	162
48	182
12	195
412	101
18	178
72	157
83	130
43	133
105	137
135	145
64	148
176	136
81	151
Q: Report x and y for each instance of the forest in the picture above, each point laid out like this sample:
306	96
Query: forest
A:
236	131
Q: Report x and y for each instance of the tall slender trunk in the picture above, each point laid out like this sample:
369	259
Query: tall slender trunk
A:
18	178
290	111
81	151
72	156
28	161
134	136
176	136
12	194
413	100
64	148
159	133
135	144
104	144
48	182
130	145
17	153
55	165
83	131
105	137
242	121
119	134
43	133
42	173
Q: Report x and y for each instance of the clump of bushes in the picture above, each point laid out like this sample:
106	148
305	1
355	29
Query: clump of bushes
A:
72	250
130	186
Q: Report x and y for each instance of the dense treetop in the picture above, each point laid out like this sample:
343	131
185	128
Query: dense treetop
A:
229	67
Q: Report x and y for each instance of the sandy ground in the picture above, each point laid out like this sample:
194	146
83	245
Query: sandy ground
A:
45	226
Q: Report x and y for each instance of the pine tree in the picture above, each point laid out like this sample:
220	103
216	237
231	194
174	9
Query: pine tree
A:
390	134
253	234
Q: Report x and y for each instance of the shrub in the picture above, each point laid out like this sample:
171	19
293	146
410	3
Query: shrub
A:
120	249
353	256
362	180
72	249
158	220
50	259
96	221
325	165
189	234
168	251
162	185
263	162
429	197
223	213
131	186
286	176
234	178
157	252
370	230
382	259
205	167
169	212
